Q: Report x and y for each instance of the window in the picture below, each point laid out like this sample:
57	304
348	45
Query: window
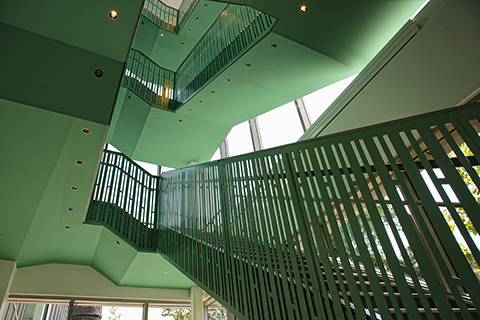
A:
280	126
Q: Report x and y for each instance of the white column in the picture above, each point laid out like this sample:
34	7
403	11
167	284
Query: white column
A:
196	302
7	273
230	316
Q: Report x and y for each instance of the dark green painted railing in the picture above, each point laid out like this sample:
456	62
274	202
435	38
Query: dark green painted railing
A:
236	30
125	200
166	17
376	223
149	81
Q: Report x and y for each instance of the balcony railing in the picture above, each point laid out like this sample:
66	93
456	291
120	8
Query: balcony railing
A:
125	200
378	223
166	17
235	31
149	81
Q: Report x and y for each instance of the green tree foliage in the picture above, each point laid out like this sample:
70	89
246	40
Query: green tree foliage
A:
461	211
114	315
219	313
177	313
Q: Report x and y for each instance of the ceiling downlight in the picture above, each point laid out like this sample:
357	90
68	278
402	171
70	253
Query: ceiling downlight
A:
113	14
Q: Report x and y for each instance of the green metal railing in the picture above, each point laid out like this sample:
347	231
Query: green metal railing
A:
184	11
380	223
166	17
344	227
236	30
149	81
125	200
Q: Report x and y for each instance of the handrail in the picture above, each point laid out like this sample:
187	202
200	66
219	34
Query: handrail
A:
340	227
125	199
235	31
149	81
167	17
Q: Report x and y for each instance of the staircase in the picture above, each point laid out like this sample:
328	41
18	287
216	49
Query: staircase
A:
235	31
343	227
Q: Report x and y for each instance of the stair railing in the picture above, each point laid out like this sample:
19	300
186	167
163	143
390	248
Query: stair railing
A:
166	17
235	31
376	223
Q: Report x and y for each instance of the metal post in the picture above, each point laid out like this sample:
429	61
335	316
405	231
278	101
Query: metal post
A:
71	305
224	149
303	114
256	137
145	311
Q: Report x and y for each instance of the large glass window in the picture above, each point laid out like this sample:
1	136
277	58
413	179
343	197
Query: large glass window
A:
239	140
317	102
280	126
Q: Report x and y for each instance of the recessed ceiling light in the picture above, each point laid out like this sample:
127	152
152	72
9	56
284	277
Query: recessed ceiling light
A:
199	101
161	34
117	242
228	80
70	209
99	73
67	227
74	188
212	91
154	113
113	14
79	162
274	46
86	130
248	65
180	120
303	8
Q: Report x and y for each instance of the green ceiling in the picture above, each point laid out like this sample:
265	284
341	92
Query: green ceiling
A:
49	93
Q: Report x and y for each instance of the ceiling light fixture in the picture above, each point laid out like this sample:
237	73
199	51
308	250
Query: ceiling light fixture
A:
113	14
79	162
303	8
70	209
74	188
99	73
86	130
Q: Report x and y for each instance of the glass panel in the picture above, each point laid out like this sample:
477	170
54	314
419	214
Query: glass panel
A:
149	167
280	126
168	313
123	313
165	169
216	155
317	102
240	140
